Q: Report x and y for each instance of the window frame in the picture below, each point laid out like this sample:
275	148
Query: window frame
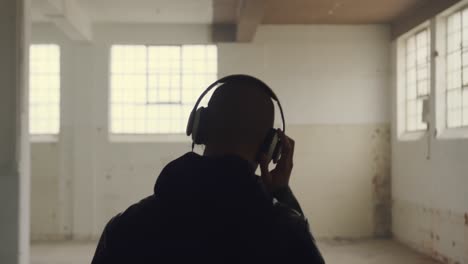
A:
463	87
401	74
47	137
442	131
418	98
150	137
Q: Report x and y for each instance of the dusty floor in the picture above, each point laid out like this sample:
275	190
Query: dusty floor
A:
344	252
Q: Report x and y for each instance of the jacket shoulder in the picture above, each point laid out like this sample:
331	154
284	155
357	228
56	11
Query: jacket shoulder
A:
130	214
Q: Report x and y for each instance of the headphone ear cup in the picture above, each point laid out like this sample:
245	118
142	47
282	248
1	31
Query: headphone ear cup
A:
189	128
277	152
270	145
199	126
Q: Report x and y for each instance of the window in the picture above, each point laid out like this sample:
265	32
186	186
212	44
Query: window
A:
44	91
153	88
457	70
417	79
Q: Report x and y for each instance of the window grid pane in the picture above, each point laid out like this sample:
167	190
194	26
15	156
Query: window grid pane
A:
164	74
44	89
418	77
153	88
457	70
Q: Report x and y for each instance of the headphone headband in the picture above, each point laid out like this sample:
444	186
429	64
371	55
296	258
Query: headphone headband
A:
241	78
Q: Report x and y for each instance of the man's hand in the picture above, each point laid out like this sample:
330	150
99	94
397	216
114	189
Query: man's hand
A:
278	178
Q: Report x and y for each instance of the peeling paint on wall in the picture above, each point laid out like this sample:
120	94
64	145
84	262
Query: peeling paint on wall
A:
442	234
382	182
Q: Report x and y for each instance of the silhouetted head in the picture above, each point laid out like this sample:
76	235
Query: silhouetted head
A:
240	117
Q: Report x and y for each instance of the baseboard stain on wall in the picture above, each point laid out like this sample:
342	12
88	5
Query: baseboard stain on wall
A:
382	193
440	234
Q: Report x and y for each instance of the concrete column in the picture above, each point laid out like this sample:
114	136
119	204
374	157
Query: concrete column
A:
84	144
14	143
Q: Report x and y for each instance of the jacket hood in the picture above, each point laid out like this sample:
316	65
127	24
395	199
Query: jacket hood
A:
193	180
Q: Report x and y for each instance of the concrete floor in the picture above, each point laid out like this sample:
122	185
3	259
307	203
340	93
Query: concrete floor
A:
334	252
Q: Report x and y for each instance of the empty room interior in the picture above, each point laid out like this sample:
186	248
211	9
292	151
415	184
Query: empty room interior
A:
95	96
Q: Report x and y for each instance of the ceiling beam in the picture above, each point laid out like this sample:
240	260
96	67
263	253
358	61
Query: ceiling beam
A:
70	18
223	33
250	15
224	26
419	15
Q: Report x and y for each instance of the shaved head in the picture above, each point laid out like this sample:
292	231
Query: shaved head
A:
240	117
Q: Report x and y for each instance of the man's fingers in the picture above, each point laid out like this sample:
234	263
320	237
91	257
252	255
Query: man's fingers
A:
266	176
287	143
287	148
292	144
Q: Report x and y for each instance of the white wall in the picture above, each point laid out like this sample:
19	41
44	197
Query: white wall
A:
332	81
430	198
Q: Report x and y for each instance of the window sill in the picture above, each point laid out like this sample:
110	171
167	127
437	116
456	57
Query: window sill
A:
412	136
454	133
43	138
159	138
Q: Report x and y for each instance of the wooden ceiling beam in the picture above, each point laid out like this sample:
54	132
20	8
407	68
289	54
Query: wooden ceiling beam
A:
419	15
249	16
70	18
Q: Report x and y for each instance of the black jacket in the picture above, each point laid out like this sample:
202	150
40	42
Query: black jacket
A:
209	210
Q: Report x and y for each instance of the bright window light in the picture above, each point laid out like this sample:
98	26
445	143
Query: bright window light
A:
417	76
153	88
457	70
44	90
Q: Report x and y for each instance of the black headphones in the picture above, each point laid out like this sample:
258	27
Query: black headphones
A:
272	144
